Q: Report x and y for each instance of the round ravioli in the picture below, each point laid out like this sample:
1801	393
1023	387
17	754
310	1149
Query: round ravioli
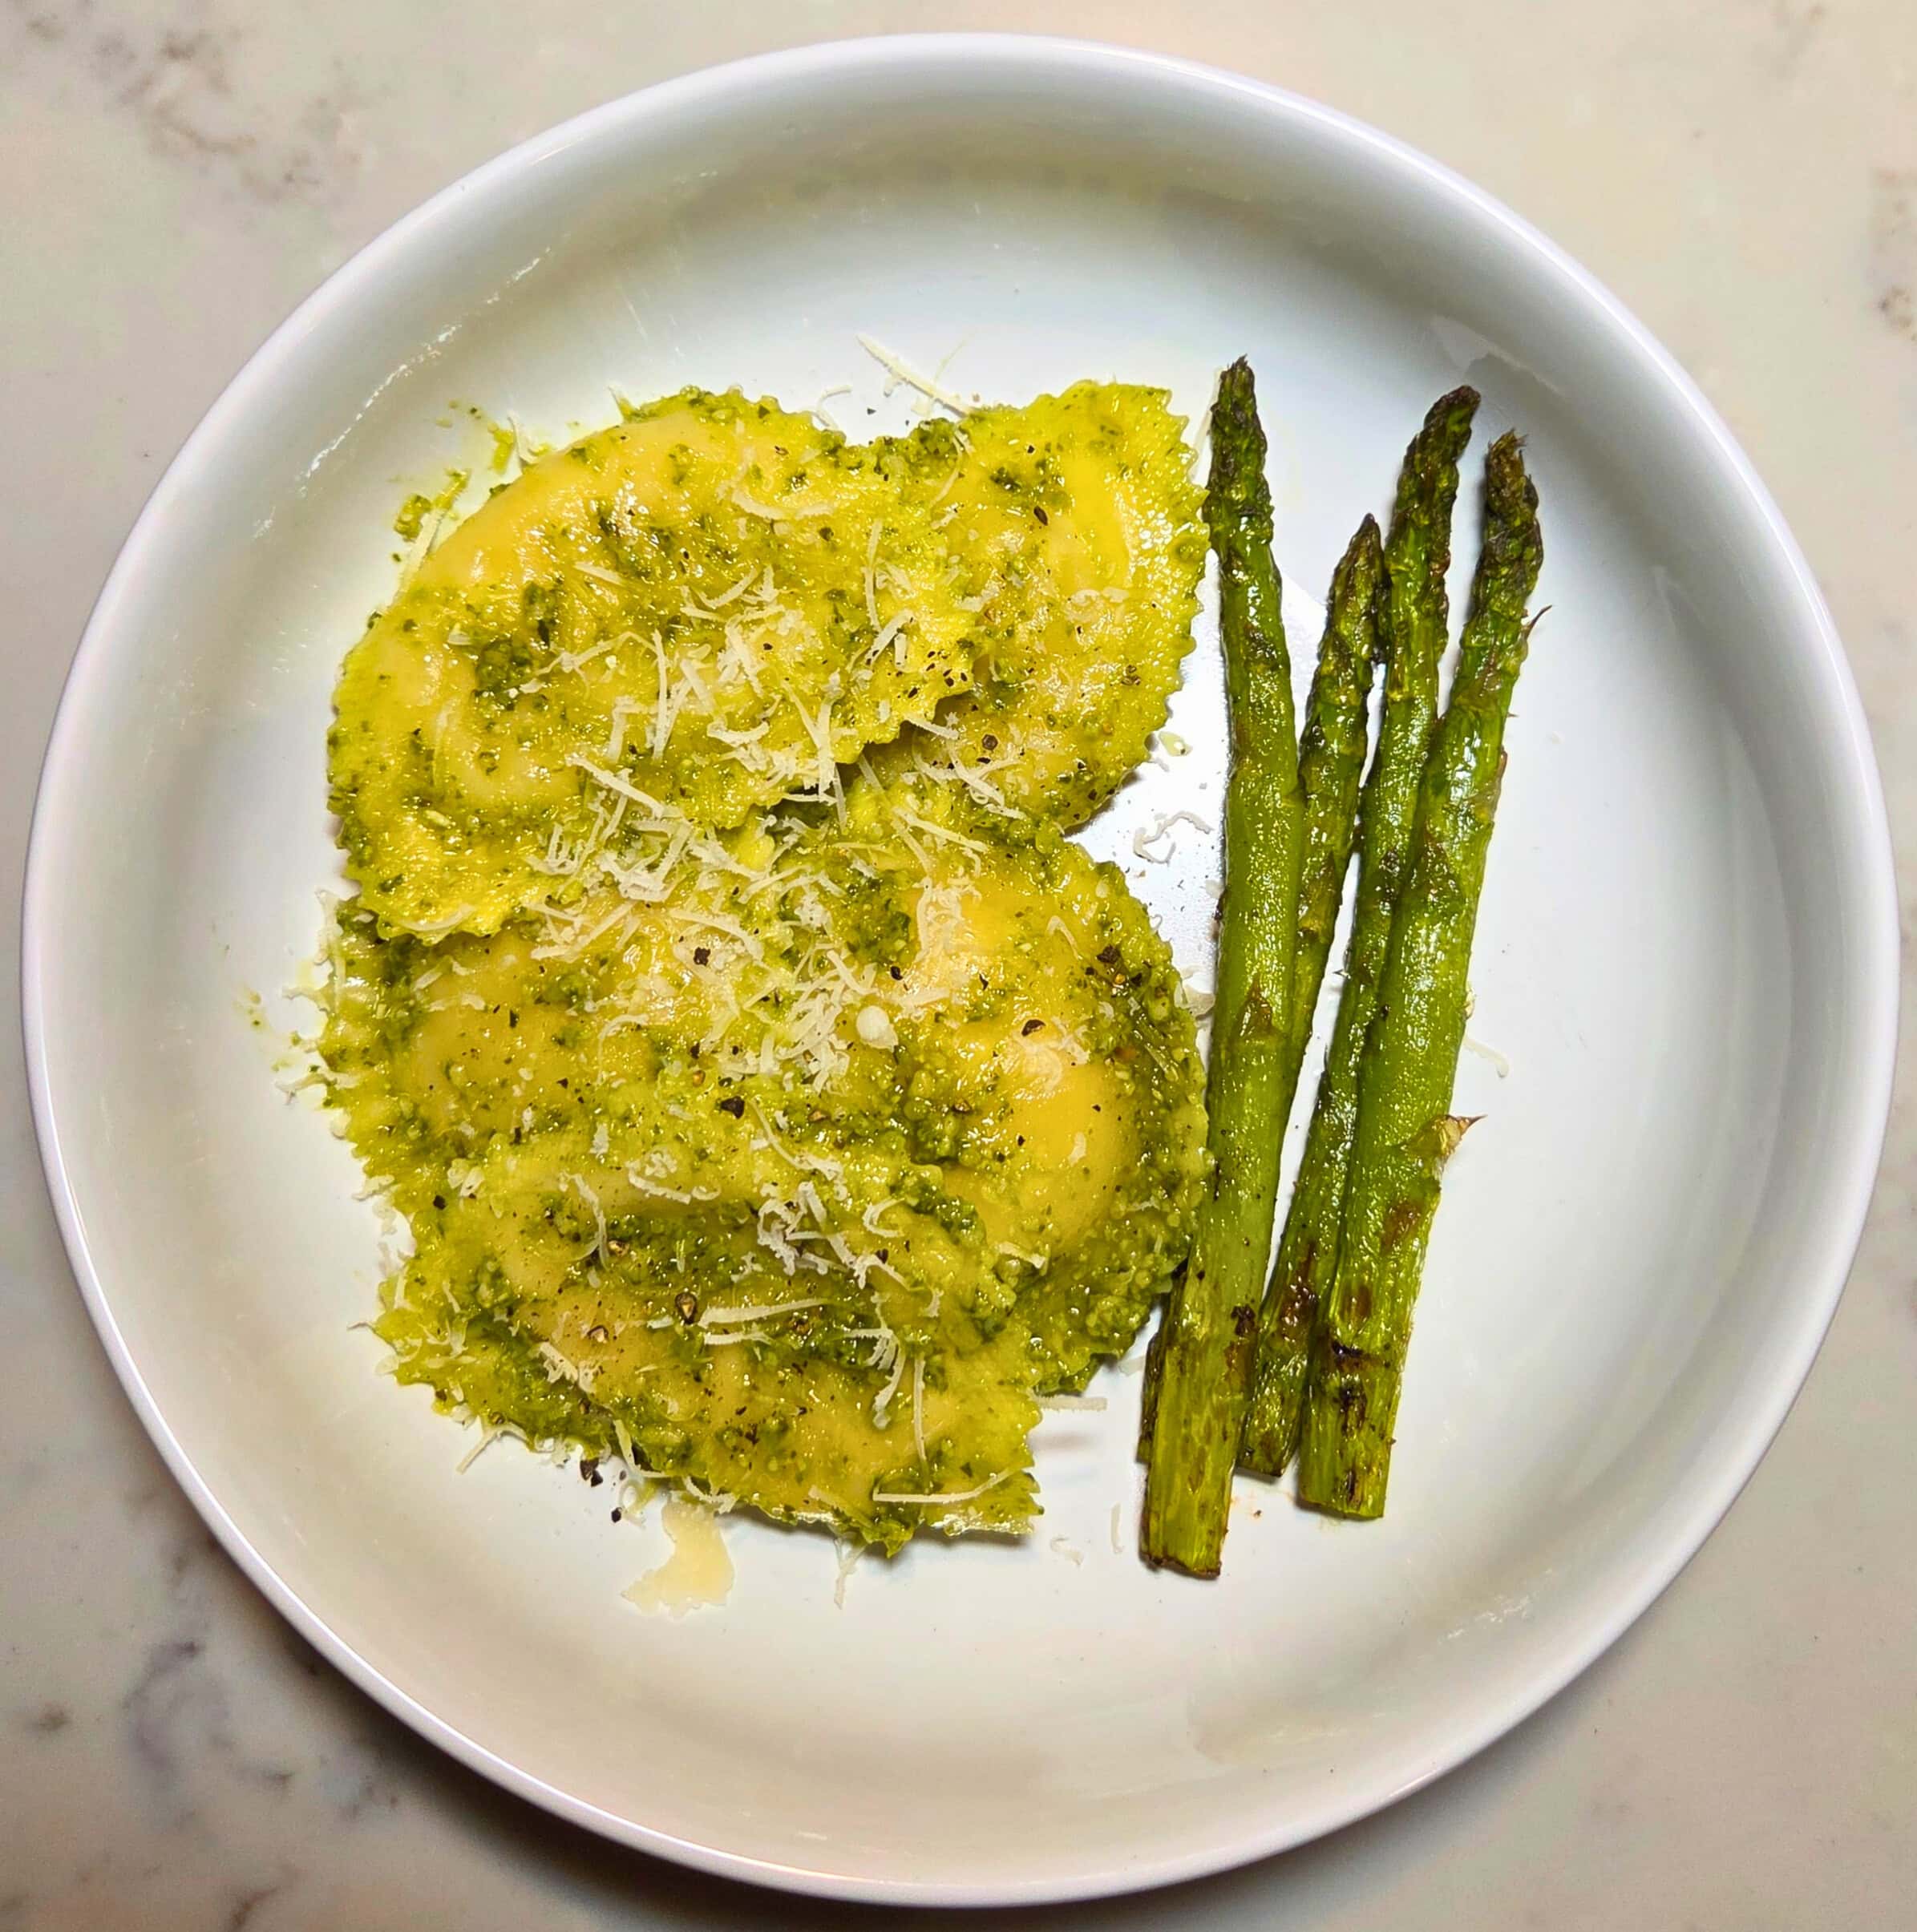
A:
705	608
808	1175
1077	516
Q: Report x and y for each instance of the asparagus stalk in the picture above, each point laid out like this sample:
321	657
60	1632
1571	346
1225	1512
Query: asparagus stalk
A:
1203	1365
1414	622
1406	1131
1331	764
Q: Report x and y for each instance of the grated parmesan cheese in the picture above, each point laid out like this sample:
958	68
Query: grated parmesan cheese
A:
939	1497
1146	838
898	371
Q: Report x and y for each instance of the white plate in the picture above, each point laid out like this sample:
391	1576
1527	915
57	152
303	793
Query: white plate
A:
1687	954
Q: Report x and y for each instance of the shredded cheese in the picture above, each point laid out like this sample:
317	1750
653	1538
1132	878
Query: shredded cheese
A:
1146	838
898	370
930	1497
613	782
1499	1064
726	1318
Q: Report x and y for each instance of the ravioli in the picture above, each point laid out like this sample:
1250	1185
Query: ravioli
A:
1078	518
718	604
715	601
809	1177
777	1098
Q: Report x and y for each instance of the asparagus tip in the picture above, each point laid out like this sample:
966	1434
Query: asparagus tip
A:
1238	492
1461	402
1509	491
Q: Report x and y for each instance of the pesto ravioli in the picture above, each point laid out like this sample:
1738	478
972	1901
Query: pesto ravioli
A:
716	601
786	1124
1078	522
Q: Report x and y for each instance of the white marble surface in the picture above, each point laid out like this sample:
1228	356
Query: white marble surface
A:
174	176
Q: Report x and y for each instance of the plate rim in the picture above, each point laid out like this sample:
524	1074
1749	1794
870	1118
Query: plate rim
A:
1857	1138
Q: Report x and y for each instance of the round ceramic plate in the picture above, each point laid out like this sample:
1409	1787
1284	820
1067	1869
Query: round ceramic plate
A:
1684	981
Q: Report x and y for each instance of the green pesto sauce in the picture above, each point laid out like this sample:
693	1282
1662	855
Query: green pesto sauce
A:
787	1131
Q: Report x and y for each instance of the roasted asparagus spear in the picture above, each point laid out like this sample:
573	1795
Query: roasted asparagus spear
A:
1331	763
1202	1364
1414	625
1405	1130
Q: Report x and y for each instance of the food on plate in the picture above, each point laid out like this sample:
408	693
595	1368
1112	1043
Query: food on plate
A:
1405	1129
777	1099
802	1181
1080	515
722	604
1323	1358
1202	1357
1331	764
1412	635
716	601
789	1125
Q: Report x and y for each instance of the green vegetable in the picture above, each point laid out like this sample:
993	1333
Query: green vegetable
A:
1414	622
1331	763
1405	1130
1203	1365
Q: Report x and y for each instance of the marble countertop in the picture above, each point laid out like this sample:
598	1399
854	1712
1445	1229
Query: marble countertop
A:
175	174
